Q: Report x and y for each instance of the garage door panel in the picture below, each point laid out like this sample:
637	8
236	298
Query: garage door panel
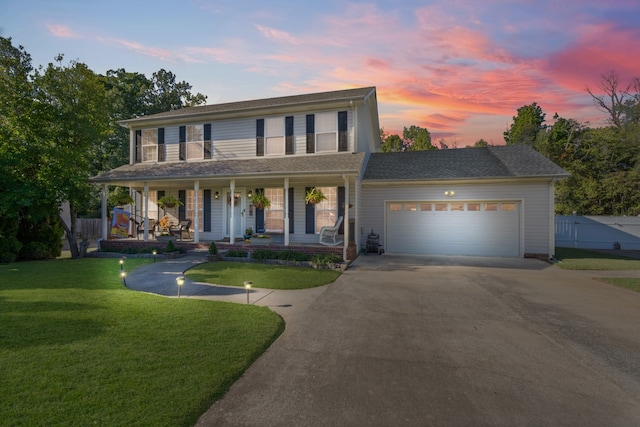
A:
481	233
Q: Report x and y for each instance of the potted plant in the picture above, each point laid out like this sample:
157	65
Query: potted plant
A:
260	201
120	197
313	196
248	233
169	201
213	252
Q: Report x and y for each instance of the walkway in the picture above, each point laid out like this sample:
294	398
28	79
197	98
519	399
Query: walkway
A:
160	278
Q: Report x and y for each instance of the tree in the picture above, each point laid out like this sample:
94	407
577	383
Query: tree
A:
417	139
391	143
166	94
481	143
617	101
73	111
526	125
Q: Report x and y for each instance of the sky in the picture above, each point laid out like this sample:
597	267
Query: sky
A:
459	68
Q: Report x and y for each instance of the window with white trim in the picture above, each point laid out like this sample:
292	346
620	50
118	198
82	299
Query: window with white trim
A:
327	210
274	136
326	132
195	142
149	145
190	208
274	214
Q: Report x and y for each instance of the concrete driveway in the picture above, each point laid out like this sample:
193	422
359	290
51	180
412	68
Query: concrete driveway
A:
449	341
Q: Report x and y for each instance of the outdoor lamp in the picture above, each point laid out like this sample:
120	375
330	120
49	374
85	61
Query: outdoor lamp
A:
449	193
250	194
123	276
154	255
121	264
247	286
216	195
179	282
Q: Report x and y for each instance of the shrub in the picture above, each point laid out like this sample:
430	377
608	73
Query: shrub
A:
326	259
236	253
292	256
263	254
213	249
170	247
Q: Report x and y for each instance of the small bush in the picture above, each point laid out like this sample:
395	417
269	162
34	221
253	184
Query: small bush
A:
236	253
213	249
326	259
293	256
262	254
148	250
171	247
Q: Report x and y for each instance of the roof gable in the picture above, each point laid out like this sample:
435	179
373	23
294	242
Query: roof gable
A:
514	161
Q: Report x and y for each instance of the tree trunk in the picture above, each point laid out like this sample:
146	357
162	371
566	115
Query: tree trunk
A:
71	232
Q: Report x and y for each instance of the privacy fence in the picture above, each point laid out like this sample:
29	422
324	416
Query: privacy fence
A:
598	232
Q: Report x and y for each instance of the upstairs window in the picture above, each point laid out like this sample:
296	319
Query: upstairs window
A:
195	142
149	145
274	136
326	132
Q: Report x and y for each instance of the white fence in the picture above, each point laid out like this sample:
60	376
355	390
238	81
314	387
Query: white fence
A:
598	232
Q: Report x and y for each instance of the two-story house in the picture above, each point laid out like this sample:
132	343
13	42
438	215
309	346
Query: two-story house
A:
490	201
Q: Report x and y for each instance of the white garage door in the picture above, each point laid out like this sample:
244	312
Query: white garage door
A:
489	228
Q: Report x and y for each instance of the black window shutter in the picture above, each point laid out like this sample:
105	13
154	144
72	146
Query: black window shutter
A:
343	140
310	216
182	210
259	215
291	210
206	209
341	208
260	137
138	154
207	141
183	142
311	133
288	132
161	151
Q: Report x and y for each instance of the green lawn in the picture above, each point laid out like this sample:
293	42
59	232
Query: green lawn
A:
262	275
77	348
624	282
581	259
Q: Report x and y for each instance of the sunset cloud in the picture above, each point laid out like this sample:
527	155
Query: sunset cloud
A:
62	31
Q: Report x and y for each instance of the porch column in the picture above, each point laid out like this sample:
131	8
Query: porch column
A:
232	222
196	218
103	214
345	221
286	211
146	211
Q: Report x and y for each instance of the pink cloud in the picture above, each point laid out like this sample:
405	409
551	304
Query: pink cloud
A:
599	49
277	35
158	53
63	31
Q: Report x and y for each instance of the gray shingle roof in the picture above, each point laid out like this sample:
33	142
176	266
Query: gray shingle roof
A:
515	161
277	166
338	95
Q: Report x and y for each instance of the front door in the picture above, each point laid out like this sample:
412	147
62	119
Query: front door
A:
237	213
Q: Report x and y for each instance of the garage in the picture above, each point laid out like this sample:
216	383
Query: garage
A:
475	228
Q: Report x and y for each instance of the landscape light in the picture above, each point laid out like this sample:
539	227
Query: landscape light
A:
179	282
247	286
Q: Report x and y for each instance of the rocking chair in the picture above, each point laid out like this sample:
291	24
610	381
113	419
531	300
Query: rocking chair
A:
328	234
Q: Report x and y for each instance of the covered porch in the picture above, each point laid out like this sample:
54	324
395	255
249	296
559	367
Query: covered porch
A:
220	208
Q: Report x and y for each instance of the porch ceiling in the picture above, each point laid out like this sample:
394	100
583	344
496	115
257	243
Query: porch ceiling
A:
264	171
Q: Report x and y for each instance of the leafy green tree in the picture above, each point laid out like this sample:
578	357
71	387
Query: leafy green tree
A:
392	143
417	139
526	125
166	94
74	112
481	143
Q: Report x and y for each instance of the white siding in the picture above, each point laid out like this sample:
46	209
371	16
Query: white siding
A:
534	198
